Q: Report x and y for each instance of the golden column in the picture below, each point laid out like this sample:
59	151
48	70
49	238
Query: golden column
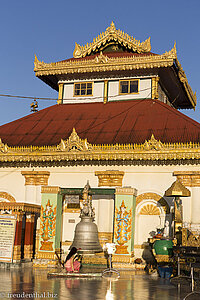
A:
154	87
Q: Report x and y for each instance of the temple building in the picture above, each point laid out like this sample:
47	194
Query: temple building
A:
116	124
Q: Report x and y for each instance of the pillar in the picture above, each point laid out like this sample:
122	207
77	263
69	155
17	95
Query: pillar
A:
60	93
154	88
191	179
124	220
28	240
18	238
50	224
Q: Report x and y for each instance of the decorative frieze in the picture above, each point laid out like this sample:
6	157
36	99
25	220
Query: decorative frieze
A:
50	190
126	191
77	149
7	196
18	206
188	178
110	178
36	177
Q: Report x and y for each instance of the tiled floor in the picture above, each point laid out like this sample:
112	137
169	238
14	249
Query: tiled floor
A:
31	283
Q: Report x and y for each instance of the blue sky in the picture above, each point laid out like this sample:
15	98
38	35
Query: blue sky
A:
50	29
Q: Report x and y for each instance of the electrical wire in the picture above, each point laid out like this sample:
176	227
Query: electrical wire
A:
64	99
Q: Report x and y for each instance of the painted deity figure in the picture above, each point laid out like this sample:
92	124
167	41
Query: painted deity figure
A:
123	220
48	222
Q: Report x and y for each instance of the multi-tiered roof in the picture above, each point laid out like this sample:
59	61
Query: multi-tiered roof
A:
131	130
114	52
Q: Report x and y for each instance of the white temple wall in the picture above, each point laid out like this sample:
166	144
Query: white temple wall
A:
68	226
104	211
113	91
98	90
145	179
144	90
12	182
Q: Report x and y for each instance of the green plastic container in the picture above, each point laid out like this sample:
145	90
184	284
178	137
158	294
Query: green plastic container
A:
163	247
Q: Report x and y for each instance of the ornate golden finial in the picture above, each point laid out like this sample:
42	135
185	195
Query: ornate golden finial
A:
77	51
112	26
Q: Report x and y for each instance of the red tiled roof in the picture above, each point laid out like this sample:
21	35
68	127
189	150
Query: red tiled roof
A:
112	54
115	122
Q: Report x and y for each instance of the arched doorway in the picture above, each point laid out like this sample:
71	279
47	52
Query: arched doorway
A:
152	210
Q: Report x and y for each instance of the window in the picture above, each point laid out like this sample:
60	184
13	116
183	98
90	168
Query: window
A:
83	89
129	86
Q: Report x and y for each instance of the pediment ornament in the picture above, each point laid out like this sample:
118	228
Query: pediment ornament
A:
112	34
153	144
74	143
3	147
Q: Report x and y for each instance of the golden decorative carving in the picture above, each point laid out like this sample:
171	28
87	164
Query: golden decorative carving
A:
45	255
126	191
110	178
153	196
105	97
96	259
30	218
188	178
99	259
152	144
121	258
77	149
36	177
50	189
28	251
193	240
149	209
103	63
3	147
7	196
163	258
75	143
19	216
17	252
60	93
20	207
154	91
181	74
111	34
177	189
